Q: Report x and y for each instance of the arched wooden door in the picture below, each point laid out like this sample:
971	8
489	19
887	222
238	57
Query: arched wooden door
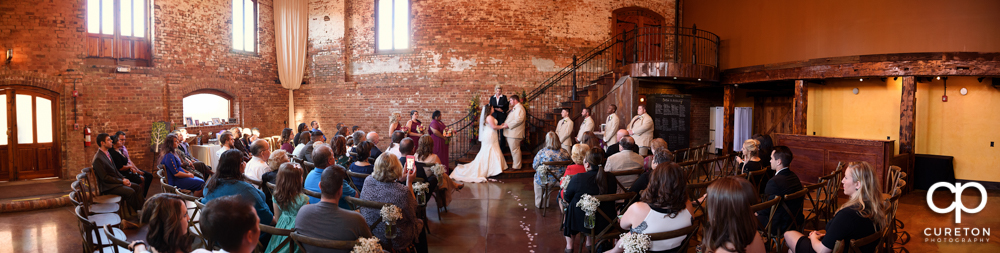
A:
29	140
648	46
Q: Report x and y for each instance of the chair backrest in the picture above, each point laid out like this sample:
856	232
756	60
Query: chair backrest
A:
799	195
273	231
301	239
688	231
854	245
114	240
611	218
623	173
89	231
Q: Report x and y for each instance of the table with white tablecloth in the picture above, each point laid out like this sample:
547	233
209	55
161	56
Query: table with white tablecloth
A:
206	154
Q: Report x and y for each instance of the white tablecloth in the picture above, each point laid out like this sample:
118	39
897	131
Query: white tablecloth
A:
206	154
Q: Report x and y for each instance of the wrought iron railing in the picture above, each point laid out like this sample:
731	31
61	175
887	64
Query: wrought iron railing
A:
466	130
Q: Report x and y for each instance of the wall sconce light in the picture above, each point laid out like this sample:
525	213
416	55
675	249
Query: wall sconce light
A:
10	55
861	79
963	91
939	78
855	91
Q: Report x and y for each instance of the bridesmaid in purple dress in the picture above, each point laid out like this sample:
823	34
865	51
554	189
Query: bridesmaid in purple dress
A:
437	133
412	126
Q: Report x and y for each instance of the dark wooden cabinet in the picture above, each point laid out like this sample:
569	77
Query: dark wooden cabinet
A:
816	156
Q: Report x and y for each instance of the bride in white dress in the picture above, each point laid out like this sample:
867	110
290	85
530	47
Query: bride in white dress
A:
490	161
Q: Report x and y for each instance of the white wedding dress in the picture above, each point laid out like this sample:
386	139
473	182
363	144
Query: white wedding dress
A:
489	162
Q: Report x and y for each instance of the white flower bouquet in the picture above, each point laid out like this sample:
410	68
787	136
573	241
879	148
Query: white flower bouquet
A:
587	203
420	187
564	182
390	213
439	171
635	242
367	245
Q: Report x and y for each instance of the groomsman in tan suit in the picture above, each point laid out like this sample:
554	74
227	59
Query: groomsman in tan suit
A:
611	126
514	131
587	125
565	130
641	129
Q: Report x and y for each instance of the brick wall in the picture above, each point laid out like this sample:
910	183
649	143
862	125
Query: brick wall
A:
459	49
191	51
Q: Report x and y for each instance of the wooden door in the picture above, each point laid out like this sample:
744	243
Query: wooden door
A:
640	31
30	140
772	115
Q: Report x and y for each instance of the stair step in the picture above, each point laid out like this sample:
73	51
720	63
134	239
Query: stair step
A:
569	104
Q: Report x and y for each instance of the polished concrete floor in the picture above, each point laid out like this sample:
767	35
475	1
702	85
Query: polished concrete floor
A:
499	216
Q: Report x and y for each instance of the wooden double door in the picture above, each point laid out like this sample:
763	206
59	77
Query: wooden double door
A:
28	133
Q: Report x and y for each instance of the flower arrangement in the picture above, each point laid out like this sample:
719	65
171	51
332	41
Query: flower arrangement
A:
420	187
422	129
390	213
635	242
564	182
474	111
448	132
589	205
367	245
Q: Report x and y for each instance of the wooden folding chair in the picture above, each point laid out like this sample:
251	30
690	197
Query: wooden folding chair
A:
117	240
813	206
81	198
273	231
696	191
88	180
770	240
854	245
301	240
613	229
548	188
92	230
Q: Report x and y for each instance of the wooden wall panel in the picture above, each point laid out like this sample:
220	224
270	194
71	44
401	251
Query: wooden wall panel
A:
4	167
814	156
107	47
772	115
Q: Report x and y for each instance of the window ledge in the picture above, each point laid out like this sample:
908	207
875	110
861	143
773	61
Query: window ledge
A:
245	53
395	51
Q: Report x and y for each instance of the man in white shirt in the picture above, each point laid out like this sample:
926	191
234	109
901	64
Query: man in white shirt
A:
397	136
586	126
257	165
641	128
565	130
611	126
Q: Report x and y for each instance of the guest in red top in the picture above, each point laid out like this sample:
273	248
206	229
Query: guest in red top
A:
579	152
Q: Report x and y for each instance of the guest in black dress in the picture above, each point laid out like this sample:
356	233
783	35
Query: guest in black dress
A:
750	161
500	105
594	182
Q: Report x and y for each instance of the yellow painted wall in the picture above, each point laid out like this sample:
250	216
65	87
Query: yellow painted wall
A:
742	100
963	127
835	111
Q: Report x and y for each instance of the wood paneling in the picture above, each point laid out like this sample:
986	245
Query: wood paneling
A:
815	156
772	115
729	104
907	112
908	64
799	108
686	71
4	166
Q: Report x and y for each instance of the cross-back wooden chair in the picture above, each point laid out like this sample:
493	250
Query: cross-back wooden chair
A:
794	223
118	242
757	178
612	230
771	241
92	230
831	192
439	194
81	198
281	247
300	240
617	175
696	191
350	179
89	184
813	206
308	166
689	233
895	235
548	169
854	245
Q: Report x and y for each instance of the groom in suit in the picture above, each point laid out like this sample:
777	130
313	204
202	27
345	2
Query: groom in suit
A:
514	131
500	106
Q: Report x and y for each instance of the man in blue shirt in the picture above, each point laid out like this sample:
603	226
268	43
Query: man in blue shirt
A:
324	160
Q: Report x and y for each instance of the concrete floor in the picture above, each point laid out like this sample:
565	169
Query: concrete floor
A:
499	217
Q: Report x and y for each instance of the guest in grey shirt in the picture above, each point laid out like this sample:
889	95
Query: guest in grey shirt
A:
325	220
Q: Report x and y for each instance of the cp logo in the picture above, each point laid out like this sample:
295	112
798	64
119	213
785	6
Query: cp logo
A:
958	188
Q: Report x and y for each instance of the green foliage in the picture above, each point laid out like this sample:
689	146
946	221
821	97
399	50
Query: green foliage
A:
159	134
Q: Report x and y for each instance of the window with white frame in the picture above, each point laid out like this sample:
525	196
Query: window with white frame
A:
392	25
245	25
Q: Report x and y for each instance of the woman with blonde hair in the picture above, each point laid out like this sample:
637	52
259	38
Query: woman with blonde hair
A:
730	225
384	185
394	122
657	145
862	215
750	160
551	152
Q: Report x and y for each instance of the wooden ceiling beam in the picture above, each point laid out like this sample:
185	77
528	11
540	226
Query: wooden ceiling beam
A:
866	66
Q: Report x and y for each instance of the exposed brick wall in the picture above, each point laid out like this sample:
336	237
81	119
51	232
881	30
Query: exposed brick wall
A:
459	49
191	51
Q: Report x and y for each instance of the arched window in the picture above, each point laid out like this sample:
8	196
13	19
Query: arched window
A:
207	107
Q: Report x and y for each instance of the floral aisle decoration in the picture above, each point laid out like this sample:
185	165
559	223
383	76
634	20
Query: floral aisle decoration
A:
439	171
420	190
564	182
474	113
589	206
367	245
635	242
390	214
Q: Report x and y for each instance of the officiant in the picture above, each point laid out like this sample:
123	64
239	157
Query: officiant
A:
500	105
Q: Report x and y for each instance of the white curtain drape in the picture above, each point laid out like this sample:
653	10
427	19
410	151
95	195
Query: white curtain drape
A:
290	35
742	126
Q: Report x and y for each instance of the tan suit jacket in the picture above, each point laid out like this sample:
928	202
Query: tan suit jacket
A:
565	130
611	127
515	120
587	125
642	129
624	160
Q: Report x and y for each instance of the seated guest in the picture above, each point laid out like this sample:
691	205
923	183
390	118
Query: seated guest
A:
407	147
184	147
199	168
578	155
303	140
626	159
358	137
176	175
784	182
254	136
325	220
247	135
298	135
373	138
229	180
325	161
729	225
239	135
862	215
257	165
397	136
590	139
166	217
277	158
286	140
344	131
317	137
227	142
288	199
750	161
361	166
551	152
384	186
425	154
231	223
119	156
339	146
613	149
643	180
656	145
109	180
664	207
594	182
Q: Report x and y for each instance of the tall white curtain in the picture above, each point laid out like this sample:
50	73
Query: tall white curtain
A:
290	35
742	126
